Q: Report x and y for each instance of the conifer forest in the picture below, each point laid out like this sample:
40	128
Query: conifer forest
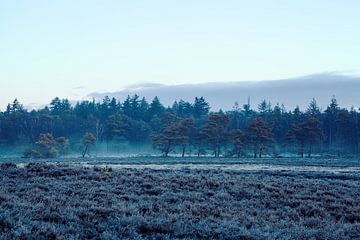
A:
185	128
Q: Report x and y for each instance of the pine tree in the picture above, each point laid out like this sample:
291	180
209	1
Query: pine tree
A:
215	132
187	128
201	107
305	134
259	136
237	140
46	146
313	109
330	122
169	138
88	141
155	108
62	145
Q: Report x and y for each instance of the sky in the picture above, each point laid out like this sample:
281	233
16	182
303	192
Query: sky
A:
72	48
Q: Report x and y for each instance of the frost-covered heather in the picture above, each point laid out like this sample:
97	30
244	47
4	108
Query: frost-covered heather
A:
61	202
350	161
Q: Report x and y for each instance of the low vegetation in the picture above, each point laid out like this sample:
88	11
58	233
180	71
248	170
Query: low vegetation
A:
48	147
42	201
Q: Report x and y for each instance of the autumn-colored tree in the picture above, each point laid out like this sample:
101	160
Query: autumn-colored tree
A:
187	130
297	136
215	132
169	138
47	147
88	141
168	119
62	145
305	134
199	142
259	136
237	140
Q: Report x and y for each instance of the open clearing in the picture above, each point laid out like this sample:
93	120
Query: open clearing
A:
141	200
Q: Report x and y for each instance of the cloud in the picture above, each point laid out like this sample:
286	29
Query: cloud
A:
290	92
34	106
79	88
142	86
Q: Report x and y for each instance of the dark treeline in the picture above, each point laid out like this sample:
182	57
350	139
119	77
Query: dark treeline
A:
184	128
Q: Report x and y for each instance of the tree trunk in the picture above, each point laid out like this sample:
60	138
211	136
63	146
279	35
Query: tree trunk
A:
260	152
302	150
85	151
309	155
183	151
167	150
330	137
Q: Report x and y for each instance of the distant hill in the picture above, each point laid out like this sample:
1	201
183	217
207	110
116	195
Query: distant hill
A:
290	92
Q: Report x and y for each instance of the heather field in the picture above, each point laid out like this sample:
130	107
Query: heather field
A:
68	201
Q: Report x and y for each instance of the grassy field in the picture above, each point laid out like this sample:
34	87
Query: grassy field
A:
42	201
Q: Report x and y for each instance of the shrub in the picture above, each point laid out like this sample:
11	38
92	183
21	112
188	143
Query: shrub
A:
47	147
5	166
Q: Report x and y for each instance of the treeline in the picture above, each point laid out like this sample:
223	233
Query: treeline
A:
185	127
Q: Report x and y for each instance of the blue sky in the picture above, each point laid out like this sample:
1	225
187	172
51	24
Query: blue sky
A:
72	48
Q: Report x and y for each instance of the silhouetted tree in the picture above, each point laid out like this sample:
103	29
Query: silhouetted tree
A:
60	107
62	145
88	141
264	108
183	109
201	107
117	126
45	147
169	138
215	132
297	136
259	136
313	109
330	122
305	134
237	140
187	129
155	108
344	129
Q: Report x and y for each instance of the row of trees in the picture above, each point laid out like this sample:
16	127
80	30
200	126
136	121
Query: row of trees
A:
216	136
49	147
134	120
185	127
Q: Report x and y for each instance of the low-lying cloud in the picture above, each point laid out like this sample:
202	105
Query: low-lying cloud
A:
290	92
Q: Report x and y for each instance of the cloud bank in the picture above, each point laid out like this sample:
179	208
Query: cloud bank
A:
290	92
